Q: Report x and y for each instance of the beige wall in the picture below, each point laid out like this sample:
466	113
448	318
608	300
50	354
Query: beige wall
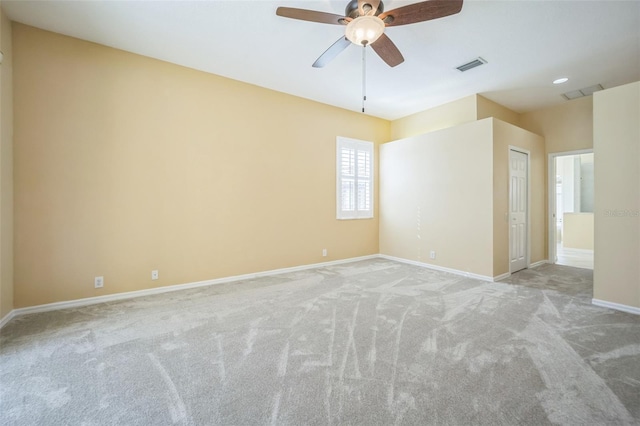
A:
566	127
487	108
136	164
124	164
447	115
448	191
505	135
616	114
464	110
6	168
577	230
436	194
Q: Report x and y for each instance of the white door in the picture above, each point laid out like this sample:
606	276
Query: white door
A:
518	196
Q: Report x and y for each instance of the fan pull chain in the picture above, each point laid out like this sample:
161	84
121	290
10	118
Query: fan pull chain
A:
364	75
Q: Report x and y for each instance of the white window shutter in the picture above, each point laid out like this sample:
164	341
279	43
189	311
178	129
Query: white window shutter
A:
354	177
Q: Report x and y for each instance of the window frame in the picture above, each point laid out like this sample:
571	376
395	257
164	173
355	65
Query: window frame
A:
358	146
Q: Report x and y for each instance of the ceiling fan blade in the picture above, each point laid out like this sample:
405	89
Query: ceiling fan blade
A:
312	15
419	12
371	9
388	51
332	52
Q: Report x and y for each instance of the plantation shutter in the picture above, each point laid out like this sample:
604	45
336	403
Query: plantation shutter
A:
354	179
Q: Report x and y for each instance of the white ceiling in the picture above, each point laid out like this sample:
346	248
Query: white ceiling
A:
527	45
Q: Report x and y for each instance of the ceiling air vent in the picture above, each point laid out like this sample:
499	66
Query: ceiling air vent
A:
475	63
587	91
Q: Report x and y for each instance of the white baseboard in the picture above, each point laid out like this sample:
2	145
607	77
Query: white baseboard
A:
539	263
502	277
7	318
616	306
440	268
140	293
531	266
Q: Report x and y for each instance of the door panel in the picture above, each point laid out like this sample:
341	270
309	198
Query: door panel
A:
518	199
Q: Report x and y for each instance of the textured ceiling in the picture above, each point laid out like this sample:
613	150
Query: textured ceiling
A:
527	45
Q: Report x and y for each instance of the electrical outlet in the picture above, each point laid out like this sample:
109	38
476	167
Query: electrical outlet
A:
98	282
432	254
324	252
154	274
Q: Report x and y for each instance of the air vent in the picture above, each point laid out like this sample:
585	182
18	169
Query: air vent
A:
587	91
472	64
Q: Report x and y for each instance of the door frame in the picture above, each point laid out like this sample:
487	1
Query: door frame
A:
528	245
551	194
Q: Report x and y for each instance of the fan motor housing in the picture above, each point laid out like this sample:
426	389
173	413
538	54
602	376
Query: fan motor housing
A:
352	9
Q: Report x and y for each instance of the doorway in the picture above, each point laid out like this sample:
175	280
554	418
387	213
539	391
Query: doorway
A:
571	194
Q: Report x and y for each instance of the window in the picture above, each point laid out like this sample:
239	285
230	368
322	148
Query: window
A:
354	167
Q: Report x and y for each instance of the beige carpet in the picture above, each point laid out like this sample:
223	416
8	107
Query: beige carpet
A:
372	342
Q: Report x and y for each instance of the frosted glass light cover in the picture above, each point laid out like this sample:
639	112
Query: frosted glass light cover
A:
364	30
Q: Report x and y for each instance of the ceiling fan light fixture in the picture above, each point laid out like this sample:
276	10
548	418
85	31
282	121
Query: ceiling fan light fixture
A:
364	30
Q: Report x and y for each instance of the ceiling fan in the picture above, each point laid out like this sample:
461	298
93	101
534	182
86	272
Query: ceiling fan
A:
366	21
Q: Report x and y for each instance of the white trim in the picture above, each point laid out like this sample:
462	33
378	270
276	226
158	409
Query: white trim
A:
539	263
443	269
616	306
551	196
551	202
139	293
7	318
166	289
502	277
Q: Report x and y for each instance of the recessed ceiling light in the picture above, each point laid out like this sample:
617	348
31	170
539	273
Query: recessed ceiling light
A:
560	80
